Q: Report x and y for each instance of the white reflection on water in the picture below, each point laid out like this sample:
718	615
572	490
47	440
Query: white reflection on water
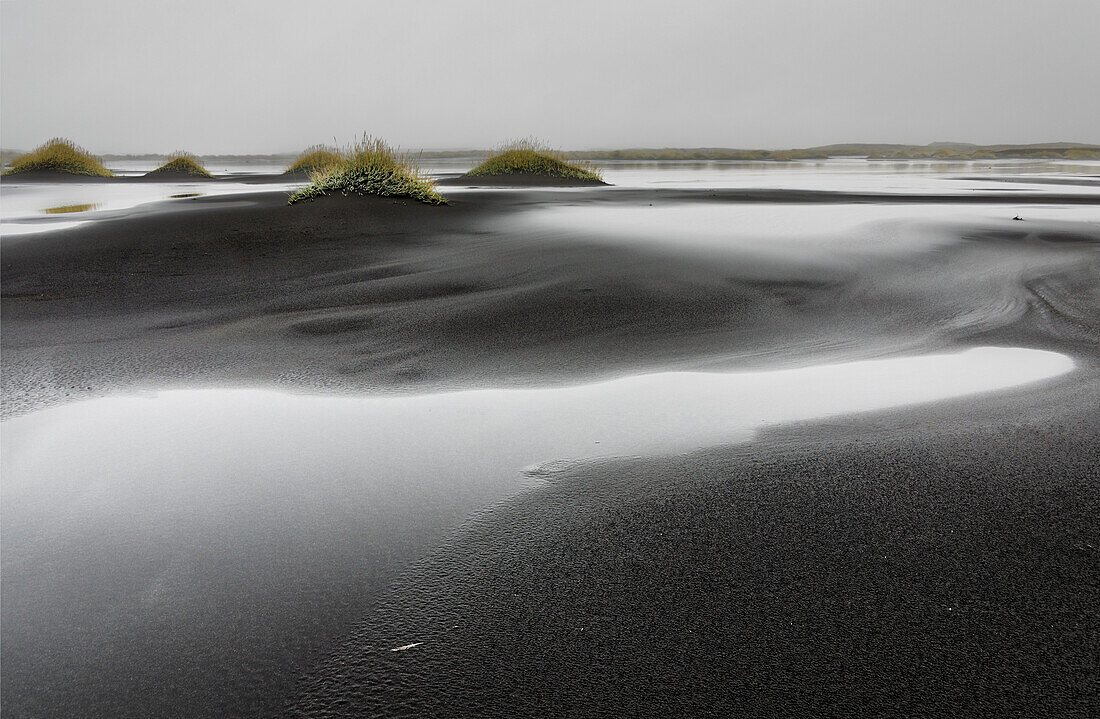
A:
21	204
837	174
854	175
150	529
24	206
796	234
187	448
10	229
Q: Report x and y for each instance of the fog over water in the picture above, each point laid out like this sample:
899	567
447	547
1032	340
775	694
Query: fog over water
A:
257	77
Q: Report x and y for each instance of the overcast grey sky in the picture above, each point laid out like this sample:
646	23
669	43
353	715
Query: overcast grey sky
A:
272	75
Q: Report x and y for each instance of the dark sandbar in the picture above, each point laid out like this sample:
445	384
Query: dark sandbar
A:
517	179
937	561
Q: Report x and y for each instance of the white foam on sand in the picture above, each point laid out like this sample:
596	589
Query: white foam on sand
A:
24	206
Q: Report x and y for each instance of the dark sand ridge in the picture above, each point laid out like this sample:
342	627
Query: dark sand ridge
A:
516	179
354	293
457	295
170	176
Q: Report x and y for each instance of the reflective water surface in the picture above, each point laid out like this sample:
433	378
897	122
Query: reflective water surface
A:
21	204
27	208
91	487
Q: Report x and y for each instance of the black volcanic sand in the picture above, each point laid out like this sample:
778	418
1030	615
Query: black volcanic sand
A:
160	175
935	561
517	179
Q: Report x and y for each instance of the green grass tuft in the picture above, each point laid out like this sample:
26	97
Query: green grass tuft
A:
64	209
59	155
183	163
536	158
371	168
317	157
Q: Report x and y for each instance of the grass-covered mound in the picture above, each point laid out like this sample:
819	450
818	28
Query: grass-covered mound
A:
59	155
315	158
530	157
181	163
371	168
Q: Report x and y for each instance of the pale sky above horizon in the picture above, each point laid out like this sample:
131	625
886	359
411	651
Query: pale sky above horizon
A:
276	76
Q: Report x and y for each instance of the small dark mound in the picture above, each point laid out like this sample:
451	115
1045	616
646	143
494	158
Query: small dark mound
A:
180	166
315	159
52	177
532	157
172	176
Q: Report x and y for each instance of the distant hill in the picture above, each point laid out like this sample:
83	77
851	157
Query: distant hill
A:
873	151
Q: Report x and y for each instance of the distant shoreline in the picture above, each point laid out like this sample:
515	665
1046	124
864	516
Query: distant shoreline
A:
922	553
960	151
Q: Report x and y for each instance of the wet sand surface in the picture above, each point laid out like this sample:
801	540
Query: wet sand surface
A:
937	560
943	567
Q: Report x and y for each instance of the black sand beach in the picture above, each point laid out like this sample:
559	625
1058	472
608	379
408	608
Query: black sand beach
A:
935	561
516	179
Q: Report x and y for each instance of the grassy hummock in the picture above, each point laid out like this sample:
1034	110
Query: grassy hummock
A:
59	155
181	163
533	157
315	158
371	168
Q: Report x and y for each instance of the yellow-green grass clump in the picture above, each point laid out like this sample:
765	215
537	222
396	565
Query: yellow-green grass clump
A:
64	209
181	163
372	168
317	157
533	157
59	155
